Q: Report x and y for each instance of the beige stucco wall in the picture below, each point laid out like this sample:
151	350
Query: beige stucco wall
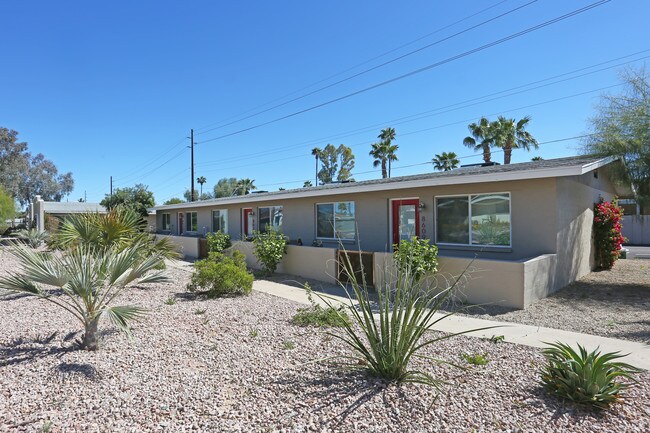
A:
188	245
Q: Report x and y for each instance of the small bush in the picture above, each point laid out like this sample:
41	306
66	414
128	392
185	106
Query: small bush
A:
416	257
31	237
170	301
220	275
269	249
607	233
218	242
319	316
475	359
585	378
288	345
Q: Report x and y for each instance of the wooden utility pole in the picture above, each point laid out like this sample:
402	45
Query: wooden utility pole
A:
111	186
192	164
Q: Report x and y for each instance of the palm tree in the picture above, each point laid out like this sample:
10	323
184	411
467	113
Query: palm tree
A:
511	134
84	282
445	161
201	180
537	158
379	152
316	152
482	138
246	186
387	135
307	184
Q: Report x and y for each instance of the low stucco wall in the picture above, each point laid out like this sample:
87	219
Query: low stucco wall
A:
636	228
307	262
481	281
188	246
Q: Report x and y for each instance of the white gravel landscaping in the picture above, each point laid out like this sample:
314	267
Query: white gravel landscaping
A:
231	368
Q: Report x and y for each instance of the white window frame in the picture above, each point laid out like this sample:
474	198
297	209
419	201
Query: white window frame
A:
469	210
188	220
223	212
168	226
259	224
334	203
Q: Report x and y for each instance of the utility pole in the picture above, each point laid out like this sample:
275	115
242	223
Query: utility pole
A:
111	186
192	163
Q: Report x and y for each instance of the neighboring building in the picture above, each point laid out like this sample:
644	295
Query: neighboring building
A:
636	222
40	210
530	223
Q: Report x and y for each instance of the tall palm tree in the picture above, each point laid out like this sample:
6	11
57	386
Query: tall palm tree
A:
246	185
379	151
511	134
316	151
390	155
387	135
482	138
84	281
201	180
445	161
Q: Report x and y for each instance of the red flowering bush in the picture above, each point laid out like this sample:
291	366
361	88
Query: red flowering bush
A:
607	232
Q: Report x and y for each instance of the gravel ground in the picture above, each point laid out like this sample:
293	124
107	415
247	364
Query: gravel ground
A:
612	303
231	368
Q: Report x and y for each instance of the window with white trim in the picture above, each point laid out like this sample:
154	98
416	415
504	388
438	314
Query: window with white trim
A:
191	222
269	217
476	219
336	220
220	220
166	221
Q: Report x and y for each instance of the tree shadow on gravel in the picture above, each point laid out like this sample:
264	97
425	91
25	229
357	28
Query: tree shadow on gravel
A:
334	391
13	296
21	350
71	370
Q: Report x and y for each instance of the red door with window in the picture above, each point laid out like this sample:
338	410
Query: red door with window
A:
247	216
406	219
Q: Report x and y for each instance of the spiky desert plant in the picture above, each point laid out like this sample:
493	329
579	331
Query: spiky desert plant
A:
587	378
31	237
119	228
387	333
84	282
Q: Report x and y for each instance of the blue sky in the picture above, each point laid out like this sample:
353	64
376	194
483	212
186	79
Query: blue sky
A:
113	88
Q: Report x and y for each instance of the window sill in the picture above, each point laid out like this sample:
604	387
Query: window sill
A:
476	248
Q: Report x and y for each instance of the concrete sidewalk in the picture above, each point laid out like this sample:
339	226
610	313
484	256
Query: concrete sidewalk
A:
527	335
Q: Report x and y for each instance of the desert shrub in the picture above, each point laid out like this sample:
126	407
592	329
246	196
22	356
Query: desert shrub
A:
386	333
269	249
475	358
585	378
52	223
607	232
317	315
31	237
218	242
416	257
220	275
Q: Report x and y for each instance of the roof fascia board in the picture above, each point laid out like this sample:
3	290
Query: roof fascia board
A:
573	170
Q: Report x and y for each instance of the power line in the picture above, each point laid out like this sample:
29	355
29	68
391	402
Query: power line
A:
355	66
417	71
439	110
358	74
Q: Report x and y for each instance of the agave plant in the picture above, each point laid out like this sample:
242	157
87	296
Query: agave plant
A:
32	237
119	228
87	281
387	333
587	378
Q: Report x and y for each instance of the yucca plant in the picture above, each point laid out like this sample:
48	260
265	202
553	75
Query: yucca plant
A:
32	237
387	333
587	378
84	282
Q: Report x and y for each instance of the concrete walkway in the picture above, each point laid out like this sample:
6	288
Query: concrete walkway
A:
527	335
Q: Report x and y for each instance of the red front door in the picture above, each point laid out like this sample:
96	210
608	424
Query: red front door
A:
406	219
247	216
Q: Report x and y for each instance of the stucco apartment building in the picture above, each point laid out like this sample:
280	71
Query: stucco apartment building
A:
527	226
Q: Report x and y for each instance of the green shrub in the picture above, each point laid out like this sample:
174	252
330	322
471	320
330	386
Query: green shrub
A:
220	275
31	237
475	359
385	334
269	249
416	257
218	242
585	378
316	315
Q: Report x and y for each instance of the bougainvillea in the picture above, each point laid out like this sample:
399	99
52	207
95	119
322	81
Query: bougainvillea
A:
607	232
